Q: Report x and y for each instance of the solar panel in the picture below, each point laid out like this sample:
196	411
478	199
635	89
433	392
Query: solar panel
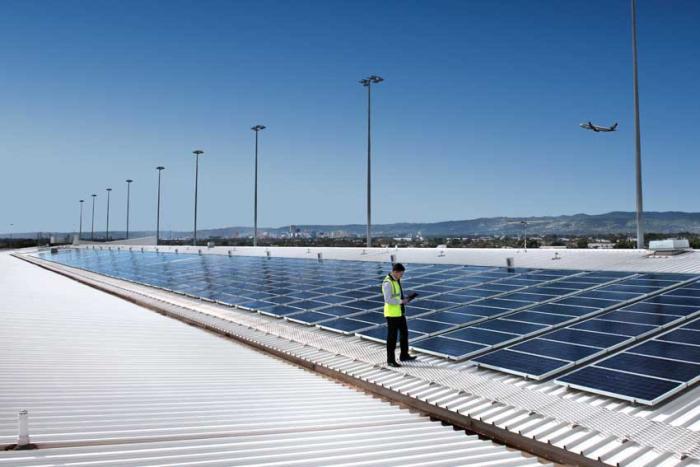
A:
310	317
346	325
603	332
446	347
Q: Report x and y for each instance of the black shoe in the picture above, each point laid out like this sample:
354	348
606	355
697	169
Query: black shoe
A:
408	358
394	364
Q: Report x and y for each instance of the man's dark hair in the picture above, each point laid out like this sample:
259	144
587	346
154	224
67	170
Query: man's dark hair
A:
398	267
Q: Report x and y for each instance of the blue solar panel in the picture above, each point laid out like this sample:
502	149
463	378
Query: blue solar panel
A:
513	327
365	305
616	296
501	303
524	364
593	339
279	310
640	318
675	310
432	305
619	384
541	318
310	317
480	336
686	336
334	299
676	300
589	302
477	310
652	366
428	327
554	349
666	349
346	325
686	292
377	333
453	318
614	327
568	310
340	310
449	347
308	304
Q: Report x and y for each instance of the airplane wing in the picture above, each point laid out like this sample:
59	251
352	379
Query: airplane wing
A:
593	127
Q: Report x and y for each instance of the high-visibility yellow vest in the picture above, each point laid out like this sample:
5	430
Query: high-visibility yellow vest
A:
392	311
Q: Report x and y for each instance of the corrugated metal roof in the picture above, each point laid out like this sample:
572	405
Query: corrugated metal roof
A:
596	427
107	382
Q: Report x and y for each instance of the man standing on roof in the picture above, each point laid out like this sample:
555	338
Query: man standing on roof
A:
395	314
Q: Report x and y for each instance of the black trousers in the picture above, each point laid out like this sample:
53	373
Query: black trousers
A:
394	325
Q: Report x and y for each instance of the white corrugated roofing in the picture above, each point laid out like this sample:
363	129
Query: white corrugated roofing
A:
593	426
109	383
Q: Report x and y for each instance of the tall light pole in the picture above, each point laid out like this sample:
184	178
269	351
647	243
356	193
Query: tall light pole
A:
80	234
128	195
256	129
109	190
196	153
92	225
524	224
638	146
367	82
159	169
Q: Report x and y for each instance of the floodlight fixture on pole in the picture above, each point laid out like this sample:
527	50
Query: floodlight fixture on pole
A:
197	153
109	190
80	232
367	82
128	195
160	168
637	138
256	129
92	225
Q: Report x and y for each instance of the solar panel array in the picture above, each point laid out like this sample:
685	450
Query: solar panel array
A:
533	323
653	370
556	351
490	323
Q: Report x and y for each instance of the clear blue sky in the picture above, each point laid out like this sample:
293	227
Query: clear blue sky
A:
478	115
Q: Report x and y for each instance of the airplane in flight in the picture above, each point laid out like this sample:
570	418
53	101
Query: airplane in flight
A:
596	128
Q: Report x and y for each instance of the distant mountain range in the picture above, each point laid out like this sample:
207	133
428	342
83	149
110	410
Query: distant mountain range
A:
581	224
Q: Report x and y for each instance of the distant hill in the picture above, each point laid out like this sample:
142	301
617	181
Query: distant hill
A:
582	224
578	224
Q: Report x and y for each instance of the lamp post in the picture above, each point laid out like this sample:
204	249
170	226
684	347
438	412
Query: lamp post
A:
92	225
159	169
367	82
638	147
109	190
128	195
80	232
196	153
256	129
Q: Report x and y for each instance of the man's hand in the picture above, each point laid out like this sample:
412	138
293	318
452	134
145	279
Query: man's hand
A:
404	301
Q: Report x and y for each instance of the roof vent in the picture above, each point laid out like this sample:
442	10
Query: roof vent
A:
669	247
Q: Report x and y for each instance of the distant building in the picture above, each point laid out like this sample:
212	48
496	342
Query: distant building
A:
601	245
